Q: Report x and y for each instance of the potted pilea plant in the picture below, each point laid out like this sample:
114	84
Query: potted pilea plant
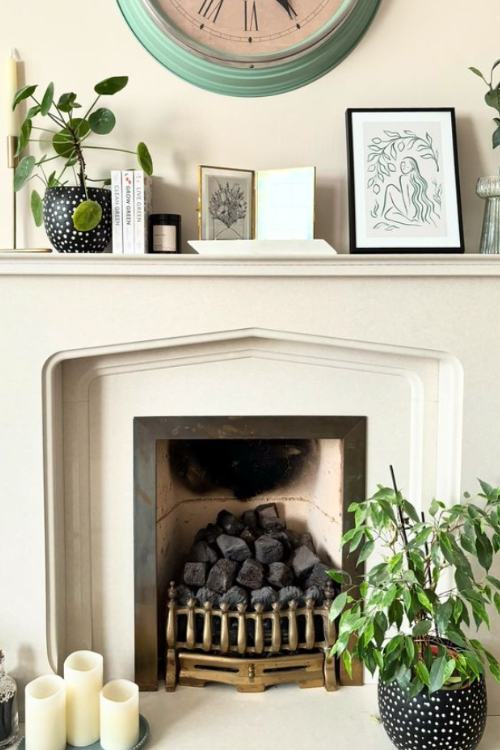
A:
77	217
489	187
409	616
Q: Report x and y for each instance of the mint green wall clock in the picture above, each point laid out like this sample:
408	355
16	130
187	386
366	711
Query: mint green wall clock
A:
249	47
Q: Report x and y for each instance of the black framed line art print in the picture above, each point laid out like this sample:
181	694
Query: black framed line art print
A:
404	190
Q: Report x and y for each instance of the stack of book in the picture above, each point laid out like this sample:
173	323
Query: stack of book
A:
131	206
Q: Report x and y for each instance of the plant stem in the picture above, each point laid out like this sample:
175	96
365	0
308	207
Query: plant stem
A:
107	148
87	113
52	117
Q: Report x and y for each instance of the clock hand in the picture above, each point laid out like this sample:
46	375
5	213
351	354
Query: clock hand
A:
289	9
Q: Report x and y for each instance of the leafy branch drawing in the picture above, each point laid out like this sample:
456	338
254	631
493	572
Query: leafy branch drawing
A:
383	153
228	205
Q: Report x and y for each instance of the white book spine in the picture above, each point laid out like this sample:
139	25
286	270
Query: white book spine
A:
128	210
142	209
116	210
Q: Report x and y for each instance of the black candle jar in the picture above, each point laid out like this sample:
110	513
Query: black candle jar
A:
164	233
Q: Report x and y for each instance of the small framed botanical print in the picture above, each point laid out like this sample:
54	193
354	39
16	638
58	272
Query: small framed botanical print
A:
404	191
226	204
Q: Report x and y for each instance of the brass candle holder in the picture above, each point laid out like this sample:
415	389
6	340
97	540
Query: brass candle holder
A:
11	164
12	160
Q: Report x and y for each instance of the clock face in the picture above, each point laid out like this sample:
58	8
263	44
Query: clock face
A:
249	47
250	33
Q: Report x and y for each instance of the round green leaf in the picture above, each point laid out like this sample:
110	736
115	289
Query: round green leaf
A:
111	86
23	171
64	141
144	158
102	121
87	216
37	208
47	100
22	94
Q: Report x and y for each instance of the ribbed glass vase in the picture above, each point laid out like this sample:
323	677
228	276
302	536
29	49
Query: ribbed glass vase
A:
489	189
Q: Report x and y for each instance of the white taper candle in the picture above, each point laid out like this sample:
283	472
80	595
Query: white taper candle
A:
45	722
12	87
83	677
119	715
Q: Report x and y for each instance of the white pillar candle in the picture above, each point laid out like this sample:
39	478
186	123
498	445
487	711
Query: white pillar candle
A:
83	677
119	715
45	712
12	87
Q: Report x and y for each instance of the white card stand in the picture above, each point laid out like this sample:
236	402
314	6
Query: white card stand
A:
263	248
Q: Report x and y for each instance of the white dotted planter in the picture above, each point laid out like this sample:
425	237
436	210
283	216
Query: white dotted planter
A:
445	720
59	204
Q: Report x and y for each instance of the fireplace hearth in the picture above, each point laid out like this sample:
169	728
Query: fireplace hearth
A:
237	520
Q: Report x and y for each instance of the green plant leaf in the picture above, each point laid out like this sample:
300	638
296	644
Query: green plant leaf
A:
492	99
409	648
415	688
24	136
347	661
67	102
144	158
484	550
449	670
22	94
493	665
36	208
424	600
87	215
111	86
422	627
47	100
443	615
477	72
102	121
23	171
63	142
436	677
366	551
422	673
52	180
496	138
33	111
337	575
409	510
338	605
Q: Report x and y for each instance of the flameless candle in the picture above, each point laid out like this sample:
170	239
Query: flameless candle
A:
119	715
83	677
45	714
12	87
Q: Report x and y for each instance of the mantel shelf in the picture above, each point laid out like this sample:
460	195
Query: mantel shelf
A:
355	266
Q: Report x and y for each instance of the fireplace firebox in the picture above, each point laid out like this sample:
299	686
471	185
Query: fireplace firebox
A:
235	521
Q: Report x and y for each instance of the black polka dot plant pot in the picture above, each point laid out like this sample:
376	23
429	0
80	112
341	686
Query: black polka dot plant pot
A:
446	720
58	206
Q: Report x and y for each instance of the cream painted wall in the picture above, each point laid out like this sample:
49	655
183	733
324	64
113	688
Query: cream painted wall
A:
415	54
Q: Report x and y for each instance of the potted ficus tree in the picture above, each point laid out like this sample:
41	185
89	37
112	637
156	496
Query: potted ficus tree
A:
77	217
410	615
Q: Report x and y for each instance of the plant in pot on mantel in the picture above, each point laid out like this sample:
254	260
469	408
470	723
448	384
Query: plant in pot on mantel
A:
410	615
77	217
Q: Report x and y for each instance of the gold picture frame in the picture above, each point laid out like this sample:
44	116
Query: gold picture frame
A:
226	203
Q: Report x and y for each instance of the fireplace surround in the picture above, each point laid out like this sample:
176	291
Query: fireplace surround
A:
393	339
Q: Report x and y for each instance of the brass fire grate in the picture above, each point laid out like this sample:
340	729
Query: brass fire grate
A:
250	650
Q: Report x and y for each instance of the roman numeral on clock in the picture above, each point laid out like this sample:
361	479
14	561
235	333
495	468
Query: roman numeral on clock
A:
210	9
250	15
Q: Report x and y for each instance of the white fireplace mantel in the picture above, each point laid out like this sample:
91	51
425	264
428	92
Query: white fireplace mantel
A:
354	266
416	336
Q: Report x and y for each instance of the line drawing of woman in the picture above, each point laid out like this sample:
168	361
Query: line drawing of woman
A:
409	203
